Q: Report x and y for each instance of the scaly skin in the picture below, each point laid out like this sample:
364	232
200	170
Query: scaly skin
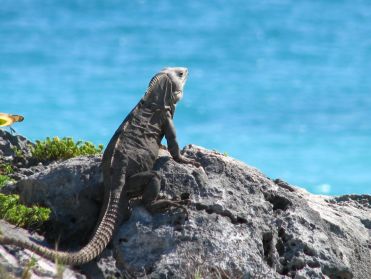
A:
127	165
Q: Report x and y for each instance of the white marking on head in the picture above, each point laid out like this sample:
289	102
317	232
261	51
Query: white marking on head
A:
178	76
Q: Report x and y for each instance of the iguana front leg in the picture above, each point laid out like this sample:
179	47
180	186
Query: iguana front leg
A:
173	146
148	183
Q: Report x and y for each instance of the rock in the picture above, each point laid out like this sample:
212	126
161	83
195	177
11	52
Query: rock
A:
14	260
22	172
103	267
241	224
73	189
15	148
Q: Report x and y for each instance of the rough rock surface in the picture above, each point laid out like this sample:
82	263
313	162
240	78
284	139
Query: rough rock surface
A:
73	189
241	224
10	145
14	261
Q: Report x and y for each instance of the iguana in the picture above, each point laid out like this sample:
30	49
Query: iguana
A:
127	165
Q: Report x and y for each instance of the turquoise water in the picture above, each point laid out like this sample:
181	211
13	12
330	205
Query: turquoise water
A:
281	85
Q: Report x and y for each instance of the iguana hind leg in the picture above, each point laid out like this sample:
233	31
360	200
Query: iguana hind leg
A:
148	184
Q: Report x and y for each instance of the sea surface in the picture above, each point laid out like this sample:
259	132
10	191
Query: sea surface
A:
284	86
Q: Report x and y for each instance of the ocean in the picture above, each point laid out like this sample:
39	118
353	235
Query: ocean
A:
282	85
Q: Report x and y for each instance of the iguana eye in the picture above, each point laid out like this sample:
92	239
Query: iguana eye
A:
180	74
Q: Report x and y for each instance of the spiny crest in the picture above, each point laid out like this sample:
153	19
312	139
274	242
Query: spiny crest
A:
152	83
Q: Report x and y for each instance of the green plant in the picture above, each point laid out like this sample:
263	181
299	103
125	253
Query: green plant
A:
60	268
65	148
197	274
6	168
17	152
26	274
3	180
14	212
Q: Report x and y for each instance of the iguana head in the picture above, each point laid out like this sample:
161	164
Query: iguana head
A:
178	77
166	88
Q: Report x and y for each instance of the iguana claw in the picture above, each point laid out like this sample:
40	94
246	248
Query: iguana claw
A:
184	160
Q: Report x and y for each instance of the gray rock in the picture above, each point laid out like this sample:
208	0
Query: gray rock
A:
241	224
73	189
14	261
9	144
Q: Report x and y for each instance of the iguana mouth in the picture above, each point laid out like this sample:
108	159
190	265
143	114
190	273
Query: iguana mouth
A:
178	95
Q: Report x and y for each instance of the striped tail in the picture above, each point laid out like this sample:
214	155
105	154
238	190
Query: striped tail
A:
96	245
